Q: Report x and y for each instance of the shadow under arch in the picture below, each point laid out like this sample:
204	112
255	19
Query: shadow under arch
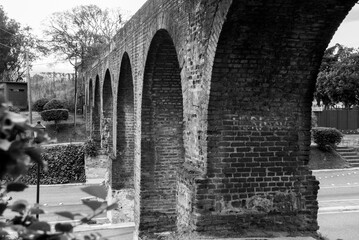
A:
107	107
90	103
162	150
96	113
123	167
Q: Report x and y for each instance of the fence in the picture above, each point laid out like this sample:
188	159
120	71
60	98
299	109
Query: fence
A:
342	119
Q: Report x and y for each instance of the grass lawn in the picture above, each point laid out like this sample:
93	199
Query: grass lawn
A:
325	160
66	131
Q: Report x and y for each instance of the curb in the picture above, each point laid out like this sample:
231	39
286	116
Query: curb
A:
83	228
63	185
338	209
337	169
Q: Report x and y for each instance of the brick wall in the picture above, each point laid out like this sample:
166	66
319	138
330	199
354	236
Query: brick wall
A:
96	112
222	99
107	112
123	166
162	143
89	108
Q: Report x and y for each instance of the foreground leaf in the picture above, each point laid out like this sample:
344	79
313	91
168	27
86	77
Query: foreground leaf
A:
16	187
40	226
97	191
36	211
64	227
2	208
3	234
19	206
34	154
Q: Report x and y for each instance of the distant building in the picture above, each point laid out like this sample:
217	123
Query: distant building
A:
15	92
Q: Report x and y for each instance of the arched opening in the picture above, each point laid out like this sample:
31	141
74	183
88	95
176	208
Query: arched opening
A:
162	149
107	121
96	113
90	104
258	118
333	84
122	176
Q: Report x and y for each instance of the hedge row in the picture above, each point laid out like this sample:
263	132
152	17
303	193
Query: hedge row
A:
66	164
55	114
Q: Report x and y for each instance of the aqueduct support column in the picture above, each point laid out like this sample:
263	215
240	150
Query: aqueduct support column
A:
255	175
162	149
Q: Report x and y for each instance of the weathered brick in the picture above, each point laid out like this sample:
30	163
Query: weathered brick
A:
207	84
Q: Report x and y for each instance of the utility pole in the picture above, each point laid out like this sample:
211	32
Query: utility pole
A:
28	85
75	113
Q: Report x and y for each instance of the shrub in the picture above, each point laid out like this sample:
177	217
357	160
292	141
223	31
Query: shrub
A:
90	148
39	104
326	138
66	164
55	115
14	109
54	104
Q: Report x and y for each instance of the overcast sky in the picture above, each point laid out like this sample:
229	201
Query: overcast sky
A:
34	12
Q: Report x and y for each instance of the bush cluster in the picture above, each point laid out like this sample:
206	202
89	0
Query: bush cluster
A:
55	115
326	138
66	164
14	109
39	104
90	148
54	104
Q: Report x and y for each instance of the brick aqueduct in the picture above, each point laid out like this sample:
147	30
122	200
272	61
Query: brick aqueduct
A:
207	106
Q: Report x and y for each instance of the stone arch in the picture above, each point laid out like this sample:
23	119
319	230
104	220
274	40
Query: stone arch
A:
162	150
90	103
96	113
123	166
107	121
258	126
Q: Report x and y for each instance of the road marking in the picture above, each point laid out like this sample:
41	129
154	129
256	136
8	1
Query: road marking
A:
338	186
338	211
341	200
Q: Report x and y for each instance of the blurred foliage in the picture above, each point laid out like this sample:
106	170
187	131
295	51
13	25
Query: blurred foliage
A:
18	152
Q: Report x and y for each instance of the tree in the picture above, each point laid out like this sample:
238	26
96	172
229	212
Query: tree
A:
8	28
82	31
14	42
338	79
54	110
23	41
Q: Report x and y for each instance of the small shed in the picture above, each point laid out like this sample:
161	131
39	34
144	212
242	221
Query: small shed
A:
15	92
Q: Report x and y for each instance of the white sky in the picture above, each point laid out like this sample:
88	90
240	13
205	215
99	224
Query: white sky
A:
34	12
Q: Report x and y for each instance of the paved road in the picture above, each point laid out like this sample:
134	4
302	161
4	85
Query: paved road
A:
338	204
68	198
53	199
338	198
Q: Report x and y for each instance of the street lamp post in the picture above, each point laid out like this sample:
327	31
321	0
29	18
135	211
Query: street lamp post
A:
41	128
